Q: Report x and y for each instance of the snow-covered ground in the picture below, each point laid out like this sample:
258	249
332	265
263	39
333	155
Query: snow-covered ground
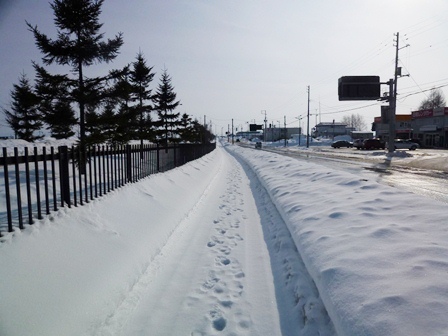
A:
239	242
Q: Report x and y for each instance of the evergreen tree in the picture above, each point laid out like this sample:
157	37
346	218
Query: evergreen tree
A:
165	104
55	103
186	128
24	117
200	133
79	44
119	99
140	78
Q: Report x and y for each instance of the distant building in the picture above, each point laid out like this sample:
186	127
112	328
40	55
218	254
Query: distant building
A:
403	127
249	135
430	127
276	133
361	134
330	130
427	127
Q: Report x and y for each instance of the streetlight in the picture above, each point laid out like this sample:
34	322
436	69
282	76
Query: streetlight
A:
299	118
265	121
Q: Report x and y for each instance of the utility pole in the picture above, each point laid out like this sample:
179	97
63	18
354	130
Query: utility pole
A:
205	128
265	128
232	131
393	98
285	130
308	121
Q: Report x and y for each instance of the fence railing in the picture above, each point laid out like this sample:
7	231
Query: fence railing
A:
35	184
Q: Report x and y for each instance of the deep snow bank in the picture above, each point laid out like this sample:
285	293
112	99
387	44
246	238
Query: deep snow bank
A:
64	274
378	255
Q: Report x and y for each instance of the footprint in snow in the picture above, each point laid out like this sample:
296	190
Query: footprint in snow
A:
221	260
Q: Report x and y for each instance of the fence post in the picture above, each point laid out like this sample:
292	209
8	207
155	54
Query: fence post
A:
158	158
8	196
174	149
64	175
129	163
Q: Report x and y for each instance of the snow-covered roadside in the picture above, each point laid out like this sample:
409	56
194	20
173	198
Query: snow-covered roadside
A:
378	255
431	159
63	273
184	252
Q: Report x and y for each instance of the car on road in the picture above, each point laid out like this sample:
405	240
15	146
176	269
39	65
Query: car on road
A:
406	144
373	144
258	144
342	143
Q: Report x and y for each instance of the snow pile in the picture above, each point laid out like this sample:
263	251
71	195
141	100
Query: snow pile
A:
59	275
378	255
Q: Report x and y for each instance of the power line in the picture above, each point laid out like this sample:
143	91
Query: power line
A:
352	109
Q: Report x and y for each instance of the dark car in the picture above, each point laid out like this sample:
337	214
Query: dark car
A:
373	144
341	143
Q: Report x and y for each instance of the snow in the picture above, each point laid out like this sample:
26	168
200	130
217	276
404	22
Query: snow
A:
239	242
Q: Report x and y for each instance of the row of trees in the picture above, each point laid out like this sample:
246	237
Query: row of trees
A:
114	108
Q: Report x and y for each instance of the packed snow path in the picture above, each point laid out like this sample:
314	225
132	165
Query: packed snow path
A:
213	276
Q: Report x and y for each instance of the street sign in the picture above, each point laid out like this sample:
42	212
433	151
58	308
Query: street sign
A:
359	88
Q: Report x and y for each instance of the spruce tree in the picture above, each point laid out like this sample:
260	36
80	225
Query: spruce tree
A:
24	117
140	78
165	104
79	44
119	99
186	128
55	103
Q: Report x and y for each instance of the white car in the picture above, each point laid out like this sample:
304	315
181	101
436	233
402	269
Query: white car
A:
406	144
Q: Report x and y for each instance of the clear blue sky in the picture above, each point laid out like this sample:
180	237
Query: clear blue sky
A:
233	59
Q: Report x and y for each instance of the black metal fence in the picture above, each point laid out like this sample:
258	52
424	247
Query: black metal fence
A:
37	183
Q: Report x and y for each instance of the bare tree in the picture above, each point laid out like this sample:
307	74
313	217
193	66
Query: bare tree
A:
356	121
435	98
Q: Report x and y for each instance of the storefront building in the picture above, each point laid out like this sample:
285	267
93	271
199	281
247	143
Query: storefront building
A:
403	127
430	127
427	127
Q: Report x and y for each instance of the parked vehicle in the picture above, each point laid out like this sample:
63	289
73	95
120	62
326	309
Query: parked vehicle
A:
406	144
358	143
258	144
342	143
373	144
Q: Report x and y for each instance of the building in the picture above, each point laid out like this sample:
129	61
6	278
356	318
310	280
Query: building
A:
403	127
430	127
249	135
330	130
361	134
427	127
276	133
